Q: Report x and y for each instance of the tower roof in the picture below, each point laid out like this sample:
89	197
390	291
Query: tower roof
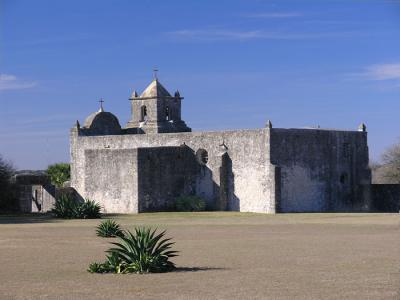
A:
155	90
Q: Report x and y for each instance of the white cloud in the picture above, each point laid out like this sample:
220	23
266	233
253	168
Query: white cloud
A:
385	77
383	72
215	34
275	15
221	35
11	82
7	77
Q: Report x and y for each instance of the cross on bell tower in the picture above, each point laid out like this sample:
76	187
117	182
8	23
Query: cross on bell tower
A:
155	73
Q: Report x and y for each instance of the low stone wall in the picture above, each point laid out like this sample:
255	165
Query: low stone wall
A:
35	197
34	192
385	197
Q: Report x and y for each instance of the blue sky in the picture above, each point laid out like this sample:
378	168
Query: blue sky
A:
237	63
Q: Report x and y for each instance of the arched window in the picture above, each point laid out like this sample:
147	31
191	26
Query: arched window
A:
202	156
167	116
143	113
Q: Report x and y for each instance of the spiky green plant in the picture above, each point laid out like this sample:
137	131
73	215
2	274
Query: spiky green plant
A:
113	263
109	228
89	209
65	207
69	208
95	267
143	251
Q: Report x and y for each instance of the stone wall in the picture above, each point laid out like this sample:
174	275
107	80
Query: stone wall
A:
262	170
110	178
321	170
98	170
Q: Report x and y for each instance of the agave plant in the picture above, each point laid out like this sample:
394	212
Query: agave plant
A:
143	251
65	207
69	208
89	210
109	228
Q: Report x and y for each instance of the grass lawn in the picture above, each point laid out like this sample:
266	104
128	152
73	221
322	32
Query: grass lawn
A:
222	256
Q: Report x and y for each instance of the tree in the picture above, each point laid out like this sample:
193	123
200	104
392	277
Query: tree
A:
7	199
59	173
389	170
391	163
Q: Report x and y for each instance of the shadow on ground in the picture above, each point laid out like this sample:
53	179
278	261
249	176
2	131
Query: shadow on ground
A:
27	218
32	218
197	269
113	216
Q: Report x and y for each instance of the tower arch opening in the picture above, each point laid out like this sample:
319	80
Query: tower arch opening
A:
143	113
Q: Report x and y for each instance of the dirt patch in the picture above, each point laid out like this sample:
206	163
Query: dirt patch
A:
222	256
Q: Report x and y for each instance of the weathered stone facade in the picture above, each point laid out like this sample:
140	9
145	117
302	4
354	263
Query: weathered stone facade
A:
156	158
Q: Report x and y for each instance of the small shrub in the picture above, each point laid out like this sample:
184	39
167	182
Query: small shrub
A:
68	208
141	252
190	203
111	265
109	228
96	268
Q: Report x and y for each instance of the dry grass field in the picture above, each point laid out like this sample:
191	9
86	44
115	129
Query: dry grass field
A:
222	256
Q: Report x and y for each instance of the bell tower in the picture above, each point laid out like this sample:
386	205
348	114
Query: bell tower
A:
156	111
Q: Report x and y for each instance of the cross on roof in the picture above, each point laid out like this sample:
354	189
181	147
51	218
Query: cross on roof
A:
101	104
155	70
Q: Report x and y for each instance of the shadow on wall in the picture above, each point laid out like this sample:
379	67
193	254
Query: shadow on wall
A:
45	200
165	173
228	199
